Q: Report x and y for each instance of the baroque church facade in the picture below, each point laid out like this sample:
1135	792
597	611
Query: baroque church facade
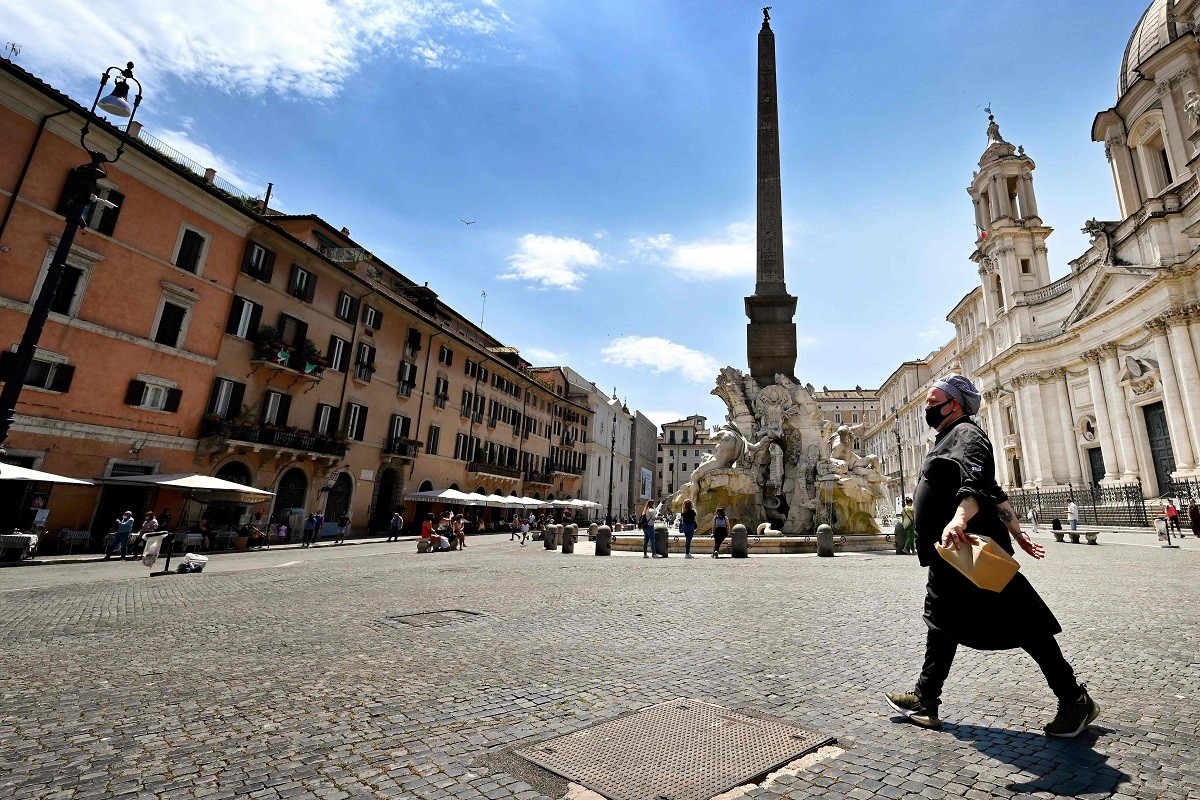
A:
1093	378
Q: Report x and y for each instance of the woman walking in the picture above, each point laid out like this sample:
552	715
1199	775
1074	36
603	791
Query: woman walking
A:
647	520
1194	517
720	531
687	526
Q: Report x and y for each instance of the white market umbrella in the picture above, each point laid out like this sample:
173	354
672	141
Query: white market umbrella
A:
200	487
11	472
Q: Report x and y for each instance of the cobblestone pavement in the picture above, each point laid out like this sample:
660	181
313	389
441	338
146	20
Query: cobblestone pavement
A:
278	675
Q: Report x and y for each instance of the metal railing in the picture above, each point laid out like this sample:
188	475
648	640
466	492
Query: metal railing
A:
494	469
1119	504
401	446
286	437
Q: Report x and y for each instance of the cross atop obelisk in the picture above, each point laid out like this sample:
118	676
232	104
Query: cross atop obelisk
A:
771	334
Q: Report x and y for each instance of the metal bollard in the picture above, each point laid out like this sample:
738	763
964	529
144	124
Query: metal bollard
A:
570	532
824	541
604	541
662	540
739	543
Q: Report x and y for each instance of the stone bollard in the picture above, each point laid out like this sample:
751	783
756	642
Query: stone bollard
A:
899	534
739	542
619	527
604	541
662	539
568	538
824	541
592	532
548	538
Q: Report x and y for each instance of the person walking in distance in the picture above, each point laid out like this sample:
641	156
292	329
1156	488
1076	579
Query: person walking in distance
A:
720	531
310	529
1073	515
649	514
1194	518
1033	515
908	517
687	526
395	526
343	526
957	495
1173	517
121	537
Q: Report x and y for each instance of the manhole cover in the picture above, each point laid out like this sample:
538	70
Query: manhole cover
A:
433	619
678	750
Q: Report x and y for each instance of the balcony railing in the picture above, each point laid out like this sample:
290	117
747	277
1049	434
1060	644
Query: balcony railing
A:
539	477
401	446
293	438
405	390
568	470
494	469
440	400
288	357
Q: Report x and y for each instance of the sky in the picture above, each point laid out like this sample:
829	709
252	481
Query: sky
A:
603	153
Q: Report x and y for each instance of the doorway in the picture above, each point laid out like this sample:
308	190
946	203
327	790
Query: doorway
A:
385	500
1096	465
338	503
1159	436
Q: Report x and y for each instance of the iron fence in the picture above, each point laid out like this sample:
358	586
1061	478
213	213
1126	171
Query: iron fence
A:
1122	504
1183	490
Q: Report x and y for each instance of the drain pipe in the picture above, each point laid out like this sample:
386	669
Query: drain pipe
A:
12	200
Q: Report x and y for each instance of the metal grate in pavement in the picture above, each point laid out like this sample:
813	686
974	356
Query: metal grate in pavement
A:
433	619
679	750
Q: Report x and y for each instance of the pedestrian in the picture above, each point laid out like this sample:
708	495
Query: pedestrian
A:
282	531
1173	517
514	528
958	496
395	526
427	531
1194	517
318	523
908	516
343	526
687	526
1073	515
121	537
524	529
720	531
1033	515
310	524
646	520
164	519
149	526
458	526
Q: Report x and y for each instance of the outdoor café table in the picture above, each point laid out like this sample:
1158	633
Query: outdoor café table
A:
25	544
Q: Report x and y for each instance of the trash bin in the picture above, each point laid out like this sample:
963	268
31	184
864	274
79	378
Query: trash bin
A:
662	539
739	542
604	541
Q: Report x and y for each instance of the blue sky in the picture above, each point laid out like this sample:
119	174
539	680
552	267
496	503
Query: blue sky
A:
605	151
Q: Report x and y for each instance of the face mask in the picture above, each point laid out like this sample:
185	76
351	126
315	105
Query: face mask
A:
933	414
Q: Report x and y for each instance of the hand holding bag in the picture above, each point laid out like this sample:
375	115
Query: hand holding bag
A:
982	561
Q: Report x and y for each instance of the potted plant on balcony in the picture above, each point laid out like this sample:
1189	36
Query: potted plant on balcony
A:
314	362
266	342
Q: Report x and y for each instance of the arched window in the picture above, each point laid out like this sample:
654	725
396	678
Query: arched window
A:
1149	143
234	471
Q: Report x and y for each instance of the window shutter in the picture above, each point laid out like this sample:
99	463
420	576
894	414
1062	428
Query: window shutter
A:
285	405
394	427
354	304
75	185
108	220
312	287
334	414
414	338
63	373
235	401
211	408
329	353
268	266
133	395
255	318
235	314
173	398
361	428
371	356
405	425
317	417
301	336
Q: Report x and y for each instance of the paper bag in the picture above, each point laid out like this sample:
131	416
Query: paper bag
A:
982	561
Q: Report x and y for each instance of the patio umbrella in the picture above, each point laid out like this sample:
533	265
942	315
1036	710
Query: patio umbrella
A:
11	472
200	487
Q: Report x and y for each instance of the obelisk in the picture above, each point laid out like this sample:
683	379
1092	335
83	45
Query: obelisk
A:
771	334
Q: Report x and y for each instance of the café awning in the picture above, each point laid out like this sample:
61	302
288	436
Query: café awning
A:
199	487
11	472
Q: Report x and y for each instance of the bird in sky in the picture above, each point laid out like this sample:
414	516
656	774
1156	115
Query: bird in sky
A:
467	222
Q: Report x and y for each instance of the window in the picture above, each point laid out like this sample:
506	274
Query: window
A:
292	331
225	400
325	420
854	418
837	418
100	217
190	250
461	447
671	438
170	324
446	356
339	354
356	421
684	452
441	392
400	426
347	307
50	372
412	342
373	319
685	437
302	284
258	262
244	316
152	393
276	406
683	467
407	377
1026	269
364	362
431	444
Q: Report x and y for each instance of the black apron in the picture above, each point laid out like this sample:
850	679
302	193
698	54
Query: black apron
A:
960	464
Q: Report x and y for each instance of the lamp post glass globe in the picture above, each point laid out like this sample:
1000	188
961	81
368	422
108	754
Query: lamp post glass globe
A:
117	103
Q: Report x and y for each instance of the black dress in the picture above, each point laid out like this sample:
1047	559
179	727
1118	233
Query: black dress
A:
960	464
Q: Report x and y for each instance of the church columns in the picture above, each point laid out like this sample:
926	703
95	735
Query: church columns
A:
1029	199
1172	139
1118	410
995	432
1034	442
1066	424
999	194
1103	422
1121	160
1181	440
1185	366
981	222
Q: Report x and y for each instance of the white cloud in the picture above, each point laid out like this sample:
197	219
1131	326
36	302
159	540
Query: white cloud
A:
730	254
250	47
661	355
660	418
551	262
541	357
181	140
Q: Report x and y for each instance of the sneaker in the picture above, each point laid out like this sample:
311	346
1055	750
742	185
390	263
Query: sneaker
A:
1073	717
646	556
689	555
914	710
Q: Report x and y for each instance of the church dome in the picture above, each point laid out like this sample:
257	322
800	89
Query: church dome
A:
1155	30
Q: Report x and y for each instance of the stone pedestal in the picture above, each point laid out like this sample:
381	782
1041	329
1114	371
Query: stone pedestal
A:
824	541
568	538
592	532
739	544
604	541
662	540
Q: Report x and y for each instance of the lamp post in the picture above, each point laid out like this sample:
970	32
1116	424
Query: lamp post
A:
612	449
900	531
84	195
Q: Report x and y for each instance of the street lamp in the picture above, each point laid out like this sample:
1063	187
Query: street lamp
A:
900	531
612	449
116	103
